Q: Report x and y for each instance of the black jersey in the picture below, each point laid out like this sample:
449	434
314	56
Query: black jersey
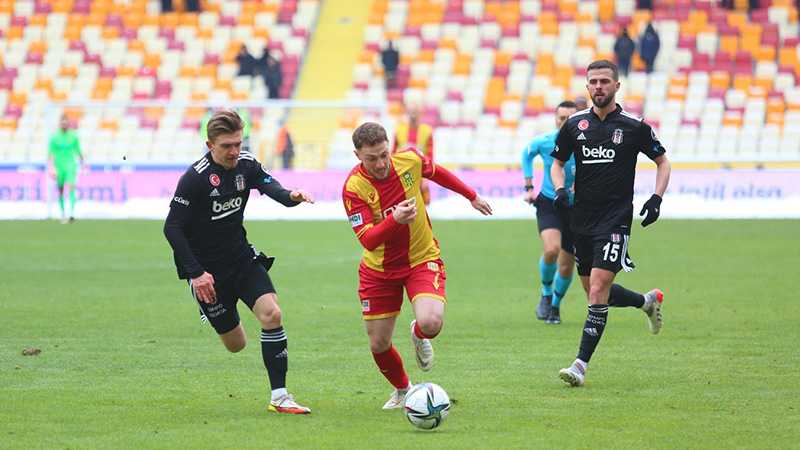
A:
204	225
605	166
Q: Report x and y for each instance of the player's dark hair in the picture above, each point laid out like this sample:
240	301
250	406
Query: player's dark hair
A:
604	64
567	104
224	121
369	134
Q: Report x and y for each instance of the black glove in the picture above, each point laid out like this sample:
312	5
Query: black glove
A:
653	208
561	202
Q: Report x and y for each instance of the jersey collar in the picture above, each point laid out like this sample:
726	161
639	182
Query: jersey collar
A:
617	111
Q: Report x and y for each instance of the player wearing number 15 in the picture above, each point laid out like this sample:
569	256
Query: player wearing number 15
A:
383	202
606	142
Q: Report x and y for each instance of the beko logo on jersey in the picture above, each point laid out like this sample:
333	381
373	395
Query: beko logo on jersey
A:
227	208
391	209
601	155
182	201
232	203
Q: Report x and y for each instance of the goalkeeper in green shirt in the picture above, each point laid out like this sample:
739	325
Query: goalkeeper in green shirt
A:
64	156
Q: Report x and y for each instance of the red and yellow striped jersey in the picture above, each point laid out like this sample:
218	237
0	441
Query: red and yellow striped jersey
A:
368	201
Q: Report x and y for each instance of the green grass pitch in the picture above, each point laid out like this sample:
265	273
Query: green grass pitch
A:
126	363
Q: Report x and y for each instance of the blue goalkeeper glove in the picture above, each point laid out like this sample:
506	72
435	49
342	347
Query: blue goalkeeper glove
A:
653	209
561	202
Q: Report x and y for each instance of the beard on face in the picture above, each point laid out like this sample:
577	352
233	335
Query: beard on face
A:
602	103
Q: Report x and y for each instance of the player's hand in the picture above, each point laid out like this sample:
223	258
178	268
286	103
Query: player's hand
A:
529	197
51	171
561	202
482	205
653	209
204	288
299	195
406	211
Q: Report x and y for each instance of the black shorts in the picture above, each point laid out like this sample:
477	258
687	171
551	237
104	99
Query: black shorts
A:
607	251
248	287
548	218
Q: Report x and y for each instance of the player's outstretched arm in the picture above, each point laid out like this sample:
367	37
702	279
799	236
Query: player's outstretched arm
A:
300	195
482	206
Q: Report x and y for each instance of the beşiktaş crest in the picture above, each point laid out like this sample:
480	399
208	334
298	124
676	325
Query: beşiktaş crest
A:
617	137
240	182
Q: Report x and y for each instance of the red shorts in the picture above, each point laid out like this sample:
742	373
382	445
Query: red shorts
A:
381	293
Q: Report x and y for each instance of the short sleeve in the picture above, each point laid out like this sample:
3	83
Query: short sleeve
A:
564	145
650	146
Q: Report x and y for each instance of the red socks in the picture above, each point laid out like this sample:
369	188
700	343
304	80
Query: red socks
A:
418	332
392	367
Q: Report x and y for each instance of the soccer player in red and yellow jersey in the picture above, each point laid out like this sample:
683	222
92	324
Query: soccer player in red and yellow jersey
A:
417	135
381	199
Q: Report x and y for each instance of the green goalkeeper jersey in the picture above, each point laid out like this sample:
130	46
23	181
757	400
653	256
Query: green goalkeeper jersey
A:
64	149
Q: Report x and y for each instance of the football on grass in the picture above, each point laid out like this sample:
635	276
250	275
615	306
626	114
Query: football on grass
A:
427	405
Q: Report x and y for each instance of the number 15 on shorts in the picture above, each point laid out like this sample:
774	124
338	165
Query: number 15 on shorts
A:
611	252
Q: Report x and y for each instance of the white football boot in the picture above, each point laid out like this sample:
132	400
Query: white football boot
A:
286	404
574	375
423	350
397	399
652	308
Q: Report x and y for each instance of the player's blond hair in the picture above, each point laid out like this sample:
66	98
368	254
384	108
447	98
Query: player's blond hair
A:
369	134
224	121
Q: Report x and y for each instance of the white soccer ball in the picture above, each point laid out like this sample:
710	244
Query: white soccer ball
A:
427	405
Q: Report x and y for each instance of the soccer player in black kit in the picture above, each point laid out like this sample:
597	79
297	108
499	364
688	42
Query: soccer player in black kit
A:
606	141
204	228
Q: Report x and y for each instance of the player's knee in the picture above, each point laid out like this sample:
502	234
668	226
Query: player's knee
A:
598	295
270	318
431	324
550	253
236	346
379	344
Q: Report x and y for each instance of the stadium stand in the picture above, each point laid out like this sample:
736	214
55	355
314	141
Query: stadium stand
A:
487	73
114	52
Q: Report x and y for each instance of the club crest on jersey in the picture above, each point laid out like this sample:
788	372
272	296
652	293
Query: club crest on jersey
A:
617	137
616	238
240	182
365	305
433	267
213	179
583	124
408	180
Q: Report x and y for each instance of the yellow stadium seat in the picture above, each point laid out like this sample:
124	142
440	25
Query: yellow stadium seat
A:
132	20
68	71
720	80
38	20
191	19
43	84
742	82
208	70
17	98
